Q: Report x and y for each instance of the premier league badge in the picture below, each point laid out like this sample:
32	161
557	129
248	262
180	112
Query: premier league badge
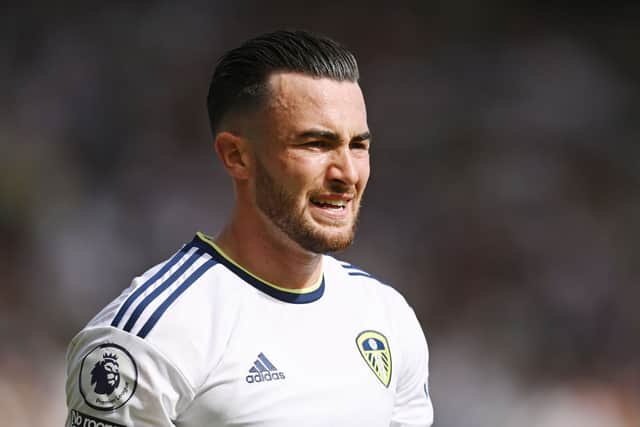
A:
108	377
374	349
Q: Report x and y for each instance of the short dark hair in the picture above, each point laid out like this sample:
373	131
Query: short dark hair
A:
240	76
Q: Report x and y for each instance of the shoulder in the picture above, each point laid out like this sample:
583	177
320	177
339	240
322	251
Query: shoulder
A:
359	280
180	309
108	369
356	284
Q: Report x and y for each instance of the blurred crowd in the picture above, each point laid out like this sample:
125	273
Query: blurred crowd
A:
503	201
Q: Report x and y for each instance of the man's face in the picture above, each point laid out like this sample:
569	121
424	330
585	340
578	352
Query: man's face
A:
312	160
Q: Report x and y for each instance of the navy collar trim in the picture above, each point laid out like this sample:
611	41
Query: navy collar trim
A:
261	285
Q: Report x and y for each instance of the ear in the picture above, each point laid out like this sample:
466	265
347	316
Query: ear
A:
233	150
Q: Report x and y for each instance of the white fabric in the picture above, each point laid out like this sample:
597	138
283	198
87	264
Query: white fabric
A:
194	365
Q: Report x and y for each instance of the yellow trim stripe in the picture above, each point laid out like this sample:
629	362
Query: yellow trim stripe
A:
307	290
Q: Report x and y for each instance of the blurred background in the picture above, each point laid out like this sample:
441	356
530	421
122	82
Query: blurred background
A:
503	201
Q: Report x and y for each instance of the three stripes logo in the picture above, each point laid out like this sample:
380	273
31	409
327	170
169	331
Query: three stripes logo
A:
263	371
148	302
374	349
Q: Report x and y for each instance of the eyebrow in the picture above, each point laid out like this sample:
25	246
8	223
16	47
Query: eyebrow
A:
332	136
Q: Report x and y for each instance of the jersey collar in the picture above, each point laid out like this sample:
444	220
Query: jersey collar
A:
294	296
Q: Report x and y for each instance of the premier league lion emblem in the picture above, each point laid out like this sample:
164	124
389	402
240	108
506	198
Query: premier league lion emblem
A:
108	377
106	374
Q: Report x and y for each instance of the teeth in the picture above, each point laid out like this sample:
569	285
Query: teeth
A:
336	203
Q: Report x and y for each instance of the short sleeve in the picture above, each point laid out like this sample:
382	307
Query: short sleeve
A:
118	379
413	407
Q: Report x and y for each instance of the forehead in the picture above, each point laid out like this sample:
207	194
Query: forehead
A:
298	102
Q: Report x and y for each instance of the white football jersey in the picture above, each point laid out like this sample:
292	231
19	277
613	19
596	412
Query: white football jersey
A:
199	341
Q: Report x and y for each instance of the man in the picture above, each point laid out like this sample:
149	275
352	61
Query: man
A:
257	326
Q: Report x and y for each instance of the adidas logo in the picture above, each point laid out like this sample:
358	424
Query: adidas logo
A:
263	370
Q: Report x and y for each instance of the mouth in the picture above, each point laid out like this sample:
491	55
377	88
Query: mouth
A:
336	203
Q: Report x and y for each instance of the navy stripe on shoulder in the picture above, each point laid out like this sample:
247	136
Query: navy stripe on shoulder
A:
157	288
160	288
356	271
359	273
157	314
165	268
352	270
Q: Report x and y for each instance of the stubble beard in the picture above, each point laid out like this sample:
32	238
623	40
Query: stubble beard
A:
280	207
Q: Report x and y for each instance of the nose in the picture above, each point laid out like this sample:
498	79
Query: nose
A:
343	167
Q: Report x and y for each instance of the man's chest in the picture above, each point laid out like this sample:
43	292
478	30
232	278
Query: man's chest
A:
286	367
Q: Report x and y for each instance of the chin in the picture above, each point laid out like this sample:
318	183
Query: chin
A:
324	241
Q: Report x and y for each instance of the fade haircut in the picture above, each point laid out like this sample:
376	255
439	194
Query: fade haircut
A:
239	82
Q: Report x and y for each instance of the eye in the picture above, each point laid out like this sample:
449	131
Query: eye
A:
316	144
359	145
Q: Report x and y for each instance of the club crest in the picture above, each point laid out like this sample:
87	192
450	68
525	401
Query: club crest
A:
374	349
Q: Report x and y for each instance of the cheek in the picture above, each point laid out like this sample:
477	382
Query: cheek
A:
299	172
364	170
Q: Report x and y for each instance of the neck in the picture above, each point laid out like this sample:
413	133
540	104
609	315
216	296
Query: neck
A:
269	254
